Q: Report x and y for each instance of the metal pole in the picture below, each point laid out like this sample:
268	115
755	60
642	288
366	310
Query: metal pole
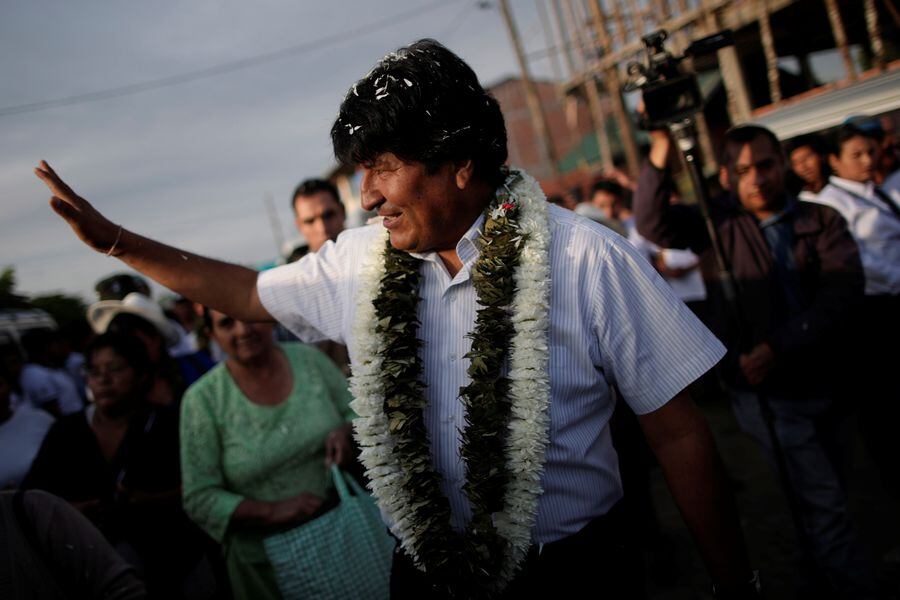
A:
538	118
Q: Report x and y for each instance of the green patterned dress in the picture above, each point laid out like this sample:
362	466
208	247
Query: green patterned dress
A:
232	449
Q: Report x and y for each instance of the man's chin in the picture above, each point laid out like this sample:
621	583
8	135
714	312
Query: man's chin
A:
401	242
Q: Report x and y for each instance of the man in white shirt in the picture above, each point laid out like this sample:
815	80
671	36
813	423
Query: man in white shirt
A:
22	430
585	312
44	382
873	218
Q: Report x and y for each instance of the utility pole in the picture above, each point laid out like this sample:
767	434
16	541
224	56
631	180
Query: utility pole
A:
538	118
614	89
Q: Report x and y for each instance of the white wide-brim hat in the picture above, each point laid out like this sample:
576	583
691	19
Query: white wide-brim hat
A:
100	315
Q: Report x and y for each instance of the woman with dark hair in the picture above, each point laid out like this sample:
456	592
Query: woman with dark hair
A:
257	432
117	462
138	316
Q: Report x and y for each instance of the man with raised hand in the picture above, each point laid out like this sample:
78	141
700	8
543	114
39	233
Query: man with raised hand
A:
486	329
798	278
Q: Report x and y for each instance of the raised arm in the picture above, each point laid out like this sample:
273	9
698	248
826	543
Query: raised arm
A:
226	287
656	218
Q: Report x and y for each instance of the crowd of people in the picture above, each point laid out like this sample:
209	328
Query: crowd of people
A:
187	436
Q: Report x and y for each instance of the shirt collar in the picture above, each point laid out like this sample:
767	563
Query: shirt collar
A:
866	190
466	247
789	206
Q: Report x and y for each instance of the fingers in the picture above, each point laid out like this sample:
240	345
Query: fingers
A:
63	208
53	181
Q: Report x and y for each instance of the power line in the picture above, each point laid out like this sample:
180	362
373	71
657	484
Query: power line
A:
221	69
458	20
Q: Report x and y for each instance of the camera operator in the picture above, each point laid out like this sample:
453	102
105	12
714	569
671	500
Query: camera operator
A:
798	275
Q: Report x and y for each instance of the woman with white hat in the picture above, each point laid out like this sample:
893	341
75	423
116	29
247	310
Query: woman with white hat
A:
139	316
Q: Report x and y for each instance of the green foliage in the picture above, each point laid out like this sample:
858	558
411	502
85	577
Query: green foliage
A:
64	309
463	565
8	297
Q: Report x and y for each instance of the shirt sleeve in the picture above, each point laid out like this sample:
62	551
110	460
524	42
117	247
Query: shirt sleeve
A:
206	501
652	346
307	296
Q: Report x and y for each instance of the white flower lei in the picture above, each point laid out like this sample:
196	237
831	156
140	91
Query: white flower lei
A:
529	387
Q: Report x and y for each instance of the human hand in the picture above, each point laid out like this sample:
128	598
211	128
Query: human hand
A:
89	225
757	364
338	446
294	510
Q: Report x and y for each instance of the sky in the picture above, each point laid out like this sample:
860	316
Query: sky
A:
190	164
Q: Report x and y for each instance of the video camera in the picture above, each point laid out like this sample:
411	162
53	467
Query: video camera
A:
670	92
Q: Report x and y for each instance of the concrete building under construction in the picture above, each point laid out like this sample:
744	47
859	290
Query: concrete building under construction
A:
796	66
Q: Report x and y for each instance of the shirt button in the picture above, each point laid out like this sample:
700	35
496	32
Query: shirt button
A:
452	357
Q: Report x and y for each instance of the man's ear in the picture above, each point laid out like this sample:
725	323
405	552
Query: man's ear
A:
833	162
464	172
723	179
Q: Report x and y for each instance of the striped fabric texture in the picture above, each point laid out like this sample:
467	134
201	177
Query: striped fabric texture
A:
614	321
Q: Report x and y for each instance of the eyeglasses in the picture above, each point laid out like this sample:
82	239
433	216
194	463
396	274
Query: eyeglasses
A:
111	371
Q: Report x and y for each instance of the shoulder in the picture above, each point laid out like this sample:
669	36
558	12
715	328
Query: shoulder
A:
579	243
331	261
305	357
835	197
28	416
569	229
207	388
33	374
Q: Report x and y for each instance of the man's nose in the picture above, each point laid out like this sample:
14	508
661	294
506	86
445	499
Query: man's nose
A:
370	197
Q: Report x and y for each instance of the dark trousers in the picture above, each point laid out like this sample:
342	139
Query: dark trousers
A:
595	562
876	386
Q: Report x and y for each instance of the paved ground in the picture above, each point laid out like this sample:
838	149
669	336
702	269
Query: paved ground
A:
766	520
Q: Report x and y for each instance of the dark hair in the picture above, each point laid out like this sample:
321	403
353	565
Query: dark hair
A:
308	187
845	133
813	141
126	324
610	187
736	137
424	104
35	342
128	347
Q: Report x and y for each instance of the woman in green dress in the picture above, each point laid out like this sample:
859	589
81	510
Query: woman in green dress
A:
258	433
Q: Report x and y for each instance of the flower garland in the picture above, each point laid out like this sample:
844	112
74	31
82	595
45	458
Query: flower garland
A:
505	436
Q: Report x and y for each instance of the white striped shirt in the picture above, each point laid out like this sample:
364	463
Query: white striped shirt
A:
613	320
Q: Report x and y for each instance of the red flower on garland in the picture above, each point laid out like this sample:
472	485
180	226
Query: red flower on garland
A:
507	206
